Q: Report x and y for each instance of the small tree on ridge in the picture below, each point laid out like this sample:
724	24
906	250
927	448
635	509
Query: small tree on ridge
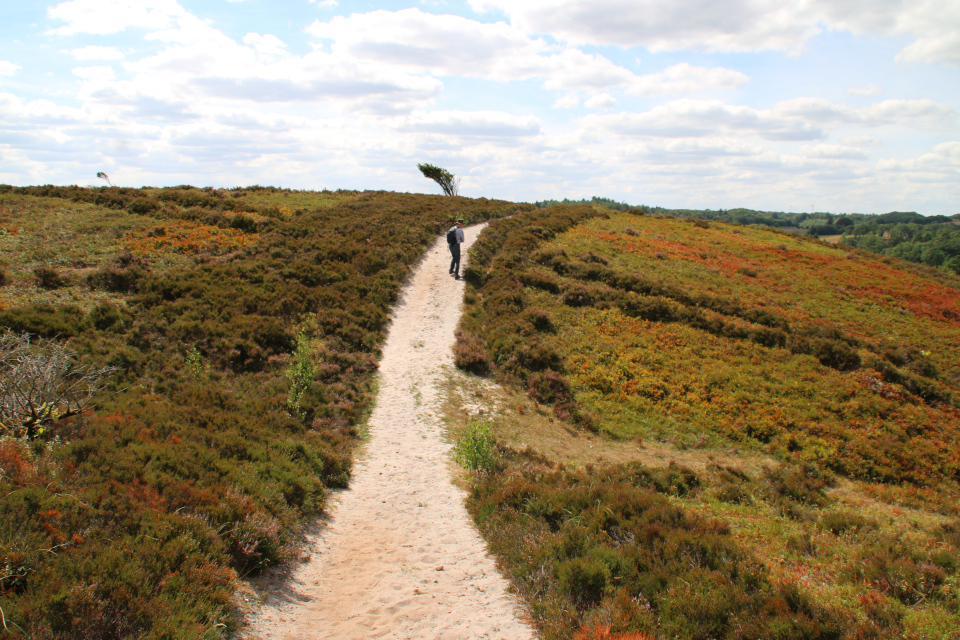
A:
447	181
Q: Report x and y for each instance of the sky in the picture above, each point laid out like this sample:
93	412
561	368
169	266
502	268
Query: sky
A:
814	105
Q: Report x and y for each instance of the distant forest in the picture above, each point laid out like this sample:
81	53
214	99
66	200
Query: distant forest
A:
930	240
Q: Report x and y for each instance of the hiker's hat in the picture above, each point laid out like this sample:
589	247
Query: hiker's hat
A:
459	220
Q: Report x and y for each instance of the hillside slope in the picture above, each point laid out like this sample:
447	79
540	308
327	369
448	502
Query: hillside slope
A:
246	326
829	378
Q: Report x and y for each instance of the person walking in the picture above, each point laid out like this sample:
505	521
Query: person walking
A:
454	238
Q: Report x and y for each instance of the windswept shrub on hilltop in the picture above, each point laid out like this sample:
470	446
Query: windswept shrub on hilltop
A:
135	520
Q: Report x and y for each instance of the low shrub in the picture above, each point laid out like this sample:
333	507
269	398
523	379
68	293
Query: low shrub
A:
548	387
540	320
604	632
884	617
732	493
469	354
583	580
896	571
475	449
46	321
539	279
804	483
49	278
840	522
802	543
121	275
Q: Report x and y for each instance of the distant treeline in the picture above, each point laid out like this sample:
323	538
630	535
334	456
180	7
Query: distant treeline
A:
930	240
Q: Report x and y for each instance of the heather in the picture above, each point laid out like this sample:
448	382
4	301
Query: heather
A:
930	240
245	326
825	377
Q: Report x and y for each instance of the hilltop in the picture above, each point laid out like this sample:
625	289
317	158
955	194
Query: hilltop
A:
705	429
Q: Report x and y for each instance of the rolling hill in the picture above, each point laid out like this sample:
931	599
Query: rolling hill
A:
775	421
711	430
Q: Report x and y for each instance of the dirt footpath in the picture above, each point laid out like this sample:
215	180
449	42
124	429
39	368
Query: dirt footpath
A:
400	557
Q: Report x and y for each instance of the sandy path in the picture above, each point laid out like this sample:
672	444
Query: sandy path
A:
400	557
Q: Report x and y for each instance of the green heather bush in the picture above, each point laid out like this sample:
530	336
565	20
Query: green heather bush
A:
841	522
803	484
475	448
908	575
46	321
49	278
121	275
300	374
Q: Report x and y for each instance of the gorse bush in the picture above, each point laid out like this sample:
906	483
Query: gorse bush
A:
300	374
135	520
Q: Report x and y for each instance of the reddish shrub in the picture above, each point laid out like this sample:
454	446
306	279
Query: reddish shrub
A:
470	355
548	387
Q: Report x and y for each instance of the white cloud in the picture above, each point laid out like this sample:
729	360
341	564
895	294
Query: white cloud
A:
699	150
112	16
266	45
8	68
860	141
866	90
199	63
686	78
601	101
37	112
738	25
942	161
97	53
933	23
95	73
448	45
698	118
834	151
567	101
922	113
487	124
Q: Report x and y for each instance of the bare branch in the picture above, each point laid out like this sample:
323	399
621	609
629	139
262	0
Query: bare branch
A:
41	383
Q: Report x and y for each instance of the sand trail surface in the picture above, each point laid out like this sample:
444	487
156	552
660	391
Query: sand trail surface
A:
399	557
